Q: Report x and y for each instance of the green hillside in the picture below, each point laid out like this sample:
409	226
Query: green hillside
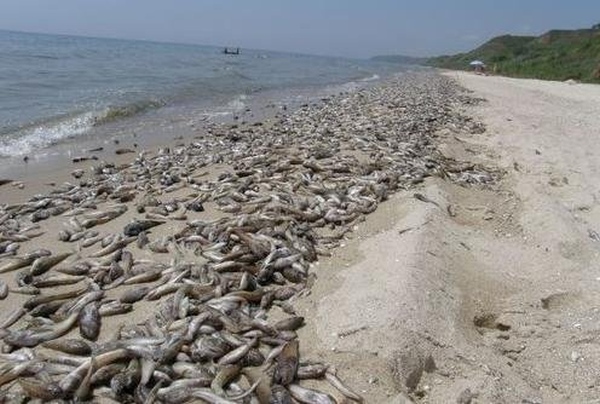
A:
556	55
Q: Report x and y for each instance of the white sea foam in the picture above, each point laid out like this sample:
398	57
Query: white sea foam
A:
41	136
237	104
371	78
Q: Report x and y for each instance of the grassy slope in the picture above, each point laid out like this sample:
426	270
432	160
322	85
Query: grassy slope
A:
556	55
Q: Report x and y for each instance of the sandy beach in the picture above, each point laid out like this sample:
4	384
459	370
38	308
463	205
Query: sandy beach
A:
496	302
475	279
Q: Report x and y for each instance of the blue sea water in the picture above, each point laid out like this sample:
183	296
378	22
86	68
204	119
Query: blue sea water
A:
56	89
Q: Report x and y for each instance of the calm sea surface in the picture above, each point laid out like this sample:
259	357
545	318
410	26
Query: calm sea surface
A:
57	89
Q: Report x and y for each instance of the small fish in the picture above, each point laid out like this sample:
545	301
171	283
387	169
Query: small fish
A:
114	246
42	390
56	280
46	309
138	226
280	395
332	378
43	264
70	346
31	338
72	381
142	240
225	375
114	308
289	324
135	294
237	354
90	322
286	364
311	371
12	318
3	290
308	396
37	300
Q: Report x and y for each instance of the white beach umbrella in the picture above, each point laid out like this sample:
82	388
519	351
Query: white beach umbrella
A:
477	63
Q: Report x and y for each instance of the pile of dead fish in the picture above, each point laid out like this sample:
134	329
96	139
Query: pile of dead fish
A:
204	294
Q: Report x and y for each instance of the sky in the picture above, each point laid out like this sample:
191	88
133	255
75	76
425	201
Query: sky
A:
351	28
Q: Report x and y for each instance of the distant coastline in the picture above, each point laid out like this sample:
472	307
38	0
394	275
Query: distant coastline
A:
556	55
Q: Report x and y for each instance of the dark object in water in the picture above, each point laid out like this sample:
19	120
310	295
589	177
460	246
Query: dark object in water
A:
231	51
80	159
97	149
4	181
124	151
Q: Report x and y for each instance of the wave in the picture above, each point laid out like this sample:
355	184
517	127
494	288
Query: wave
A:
374	77
46	135
115	113
32	138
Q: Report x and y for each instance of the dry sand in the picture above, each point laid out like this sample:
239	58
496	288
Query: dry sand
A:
496	299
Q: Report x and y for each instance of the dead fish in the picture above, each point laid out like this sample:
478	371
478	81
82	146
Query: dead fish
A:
114	308
138	226
209	397
225	375
332	378
209	347
108	216
31	338
135	294
88	242
37	300
70	382
289	324
12	318
43	390
83	392
280	395
237	354
116	245
308	396
146	277
3	290
81	268
14	371
142	240
70	346
90	322
127	380
43	264
46	309
286	364
311	371
104	374
159	247
16	263
56	280
26	290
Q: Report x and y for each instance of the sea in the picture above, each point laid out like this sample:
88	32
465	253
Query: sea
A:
59	93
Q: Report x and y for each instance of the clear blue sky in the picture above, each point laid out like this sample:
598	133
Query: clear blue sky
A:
355	28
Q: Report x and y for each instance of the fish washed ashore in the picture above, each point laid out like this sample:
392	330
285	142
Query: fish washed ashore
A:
173	277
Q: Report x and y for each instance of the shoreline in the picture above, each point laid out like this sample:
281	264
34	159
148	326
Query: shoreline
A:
172	125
